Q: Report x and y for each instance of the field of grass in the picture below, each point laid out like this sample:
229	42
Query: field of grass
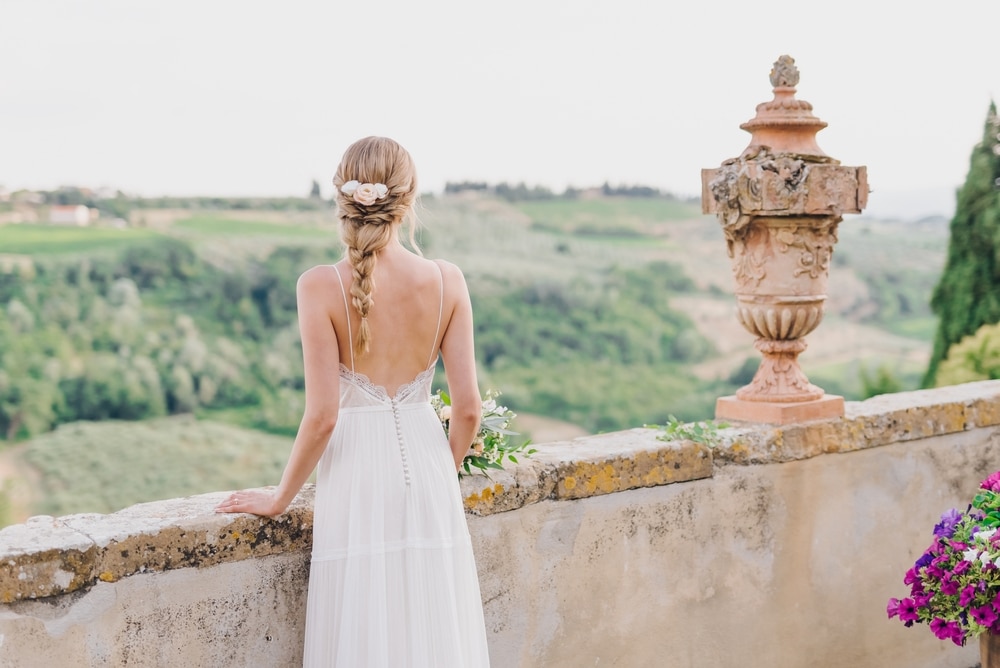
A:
105	466
608	216
36	239
217	226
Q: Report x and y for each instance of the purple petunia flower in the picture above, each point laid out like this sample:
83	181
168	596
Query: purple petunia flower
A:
892	609
984	615
940	628
949	587
925	560
966	595
946	527
961	567
911	576
907	610
956	633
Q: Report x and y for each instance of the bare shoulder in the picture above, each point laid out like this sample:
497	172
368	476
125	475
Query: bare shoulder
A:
317	279
451	272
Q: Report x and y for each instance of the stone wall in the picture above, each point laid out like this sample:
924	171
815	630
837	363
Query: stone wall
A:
778	548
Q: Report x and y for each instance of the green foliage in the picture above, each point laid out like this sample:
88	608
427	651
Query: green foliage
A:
975	357
968	293
105	466
493	443
705	432
882	382
100	338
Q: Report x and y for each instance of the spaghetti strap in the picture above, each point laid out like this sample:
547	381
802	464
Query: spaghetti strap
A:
347	309
434	344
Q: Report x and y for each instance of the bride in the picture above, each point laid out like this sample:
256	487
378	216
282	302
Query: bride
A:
393	579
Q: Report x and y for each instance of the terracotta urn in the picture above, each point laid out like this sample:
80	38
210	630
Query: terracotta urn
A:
779	204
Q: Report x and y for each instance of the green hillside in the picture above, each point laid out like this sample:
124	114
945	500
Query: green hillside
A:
604	312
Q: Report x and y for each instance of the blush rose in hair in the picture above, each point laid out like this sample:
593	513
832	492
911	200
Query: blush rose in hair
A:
367	193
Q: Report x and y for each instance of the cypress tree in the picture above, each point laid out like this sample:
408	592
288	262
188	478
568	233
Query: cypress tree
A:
967	295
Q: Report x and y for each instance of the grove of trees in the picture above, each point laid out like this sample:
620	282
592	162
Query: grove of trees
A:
967	296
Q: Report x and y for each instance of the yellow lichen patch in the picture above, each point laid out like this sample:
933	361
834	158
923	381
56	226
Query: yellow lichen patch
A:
603	478
235	535
484	497
655	476
7	597
106	576
569	482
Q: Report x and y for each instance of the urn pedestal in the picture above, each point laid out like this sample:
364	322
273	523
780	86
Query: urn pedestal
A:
779	204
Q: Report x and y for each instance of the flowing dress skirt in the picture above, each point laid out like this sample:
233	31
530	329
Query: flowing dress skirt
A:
393	580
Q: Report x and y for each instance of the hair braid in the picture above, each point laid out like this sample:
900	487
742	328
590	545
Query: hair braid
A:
366	230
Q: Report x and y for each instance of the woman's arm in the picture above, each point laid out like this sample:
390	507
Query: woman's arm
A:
458	351
321	358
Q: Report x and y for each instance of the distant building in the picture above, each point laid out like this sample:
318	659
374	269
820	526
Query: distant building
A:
76	214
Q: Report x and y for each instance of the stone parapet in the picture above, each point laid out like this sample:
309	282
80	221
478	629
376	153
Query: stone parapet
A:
52	556
49	556
881	420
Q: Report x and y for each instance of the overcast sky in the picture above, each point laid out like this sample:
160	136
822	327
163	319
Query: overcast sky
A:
247	97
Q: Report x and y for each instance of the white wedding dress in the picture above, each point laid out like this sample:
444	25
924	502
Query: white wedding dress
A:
393	580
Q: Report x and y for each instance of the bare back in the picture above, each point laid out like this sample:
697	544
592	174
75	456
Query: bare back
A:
407	322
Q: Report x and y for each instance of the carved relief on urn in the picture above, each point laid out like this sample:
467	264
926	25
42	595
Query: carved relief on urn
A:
779	204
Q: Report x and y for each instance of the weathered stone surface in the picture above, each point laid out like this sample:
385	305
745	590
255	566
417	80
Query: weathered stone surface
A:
881	420
588	466
596	465
43	557
47	557
567	581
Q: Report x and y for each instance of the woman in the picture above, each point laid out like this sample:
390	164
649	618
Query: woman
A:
393	580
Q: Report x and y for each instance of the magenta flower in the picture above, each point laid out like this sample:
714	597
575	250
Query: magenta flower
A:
907	610
892	609
992	482
984	615
949	587
940	628
961	566
957	635
967	594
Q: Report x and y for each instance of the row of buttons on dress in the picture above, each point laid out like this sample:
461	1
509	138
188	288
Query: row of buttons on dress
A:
402	447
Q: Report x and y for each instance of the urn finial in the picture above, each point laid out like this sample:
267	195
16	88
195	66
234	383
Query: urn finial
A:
785	124
784	74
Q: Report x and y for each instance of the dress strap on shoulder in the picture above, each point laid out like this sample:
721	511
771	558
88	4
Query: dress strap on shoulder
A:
434	345
347	310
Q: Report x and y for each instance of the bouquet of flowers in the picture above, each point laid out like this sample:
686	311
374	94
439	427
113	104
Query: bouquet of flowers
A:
492	444
955	584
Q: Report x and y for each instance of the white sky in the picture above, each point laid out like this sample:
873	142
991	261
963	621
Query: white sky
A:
234	97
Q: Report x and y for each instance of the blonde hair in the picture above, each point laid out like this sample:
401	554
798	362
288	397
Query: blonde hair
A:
366	230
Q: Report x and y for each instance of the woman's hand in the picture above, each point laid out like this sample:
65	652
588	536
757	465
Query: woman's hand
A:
256	501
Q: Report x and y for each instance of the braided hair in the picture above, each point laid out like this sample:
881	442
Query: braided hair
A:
367	229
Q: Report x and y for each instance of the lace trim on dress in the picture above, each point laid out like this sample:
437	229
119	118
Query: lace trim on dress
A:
362	382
